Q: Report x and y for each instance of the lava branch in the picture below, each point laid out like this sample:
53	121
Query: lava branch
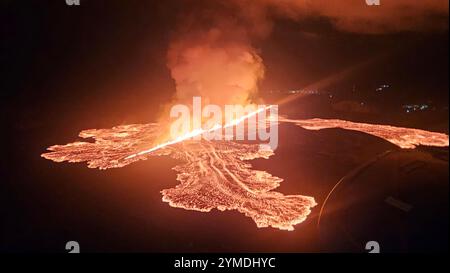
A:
405	138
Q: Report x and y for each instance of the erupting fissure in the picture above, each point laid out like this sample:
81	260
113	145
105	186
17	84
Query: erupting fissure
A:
197	132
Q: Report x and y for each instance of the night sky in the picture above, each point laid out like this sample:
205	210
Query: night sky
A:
73	55
104	63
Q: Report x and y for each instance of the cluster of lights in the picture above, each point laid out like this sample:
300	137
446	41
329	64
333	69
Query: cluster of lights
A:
415	107
382	87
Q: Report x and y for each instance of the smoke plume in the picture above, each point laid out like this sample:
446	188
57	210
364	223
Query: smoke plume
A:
211	55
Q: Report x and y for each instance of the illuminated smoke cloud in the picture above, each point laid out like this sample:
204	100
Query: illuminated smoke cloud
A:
211	55
216	62
357	16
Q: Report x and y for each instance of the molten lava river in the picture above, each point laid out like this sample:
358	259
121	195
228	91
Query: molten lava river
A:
217	174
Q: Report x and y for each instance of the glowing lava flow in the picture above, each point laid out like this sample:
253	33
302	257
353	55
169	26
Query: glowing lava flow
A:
216	174
406	138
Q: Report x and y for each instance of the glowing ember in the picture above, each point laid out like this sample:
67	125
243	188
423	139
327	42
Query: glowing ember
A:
405	138
215	174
